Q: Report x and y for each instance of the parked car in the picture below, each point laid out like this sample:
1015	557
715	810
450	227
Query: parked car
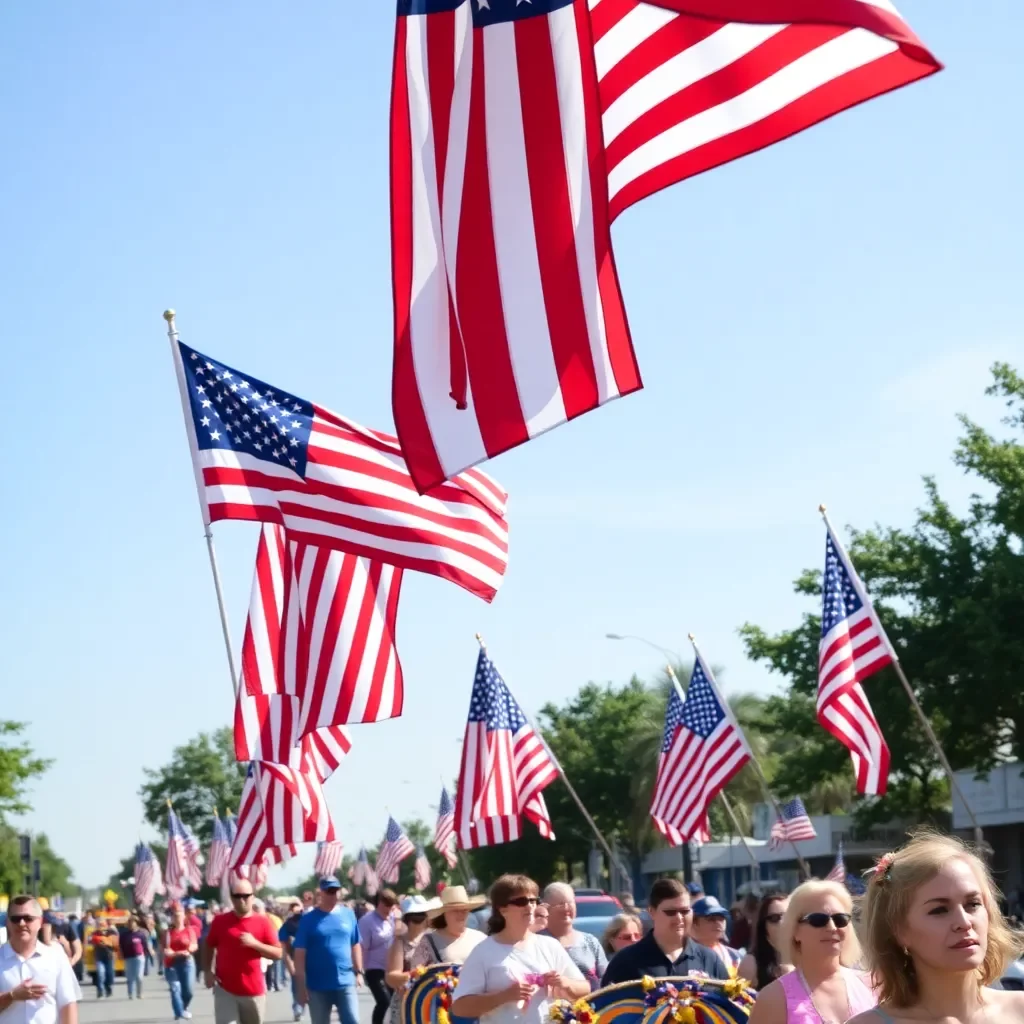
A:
1013	977
594	912
590	892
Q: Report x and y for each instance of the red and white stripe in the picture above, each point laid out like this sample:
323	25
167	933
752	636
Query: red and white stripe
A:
444	830
328	858
319	646
514	146
421	870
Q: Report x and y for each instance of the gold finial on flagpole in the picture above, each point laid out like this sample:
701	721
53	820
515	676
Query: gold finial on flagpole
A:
691	638
169	804
480	641
822	509
169	315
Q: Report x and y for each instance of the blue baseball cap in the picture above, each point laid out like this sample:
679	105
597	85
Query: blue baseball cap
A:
327	884
708	906
694	889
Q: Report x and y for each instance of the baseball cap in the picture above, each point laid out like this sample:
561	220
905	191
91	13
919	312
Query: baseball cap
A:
694	889
708	906
327	884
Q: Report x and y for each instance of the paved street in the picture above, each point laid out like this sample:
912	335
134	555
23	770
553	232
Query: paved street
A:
156	1006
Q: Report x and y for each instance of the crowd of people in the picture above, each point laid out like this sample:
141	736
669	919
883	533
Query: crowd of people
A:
924	944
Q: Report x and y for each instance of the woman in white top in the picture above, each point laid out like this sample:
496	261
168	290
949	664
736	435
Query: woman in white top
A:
935	938
512	976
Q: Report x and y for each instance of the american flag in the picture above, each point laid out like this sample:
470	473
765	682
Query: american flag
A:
328	858
702	749
505	766
361	873
838	872
421	869
853	647
177	870
319	646
193	859
521	128
444	830
262	454
289	806
148	878
395	848
220	847
793	827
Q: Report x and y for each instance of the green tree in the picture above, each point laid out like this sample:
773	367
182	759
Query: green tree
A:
55	875
201	775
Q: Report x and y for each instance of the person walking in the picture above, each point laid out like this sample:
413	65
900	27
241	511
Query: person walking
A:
452	940
178	947
623	930
376	932
584	950
104	942
37	984
235	944
286	936
328	958
134	943
408	935
667	950
710	920
761	966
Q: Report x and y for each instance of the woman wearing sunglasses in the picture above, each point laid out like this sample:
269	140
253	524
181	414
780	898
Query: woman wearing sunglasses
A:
761	966
512	976
817	937
408	936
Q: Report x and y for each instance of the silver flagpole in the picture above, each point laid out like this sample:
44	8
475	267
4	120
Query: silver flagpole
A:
862	593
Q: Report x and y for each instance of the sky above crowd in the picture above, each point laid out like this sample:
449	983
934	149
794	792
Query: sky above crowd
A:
808	322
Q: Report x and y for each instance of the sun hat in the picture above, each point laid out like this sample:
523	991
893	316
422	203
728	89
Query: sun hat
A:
455	897
418	905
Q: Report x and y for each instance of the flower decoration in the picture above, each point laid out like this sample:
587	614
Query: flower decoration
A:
648	983
738	991
580	1012
414	975
883	869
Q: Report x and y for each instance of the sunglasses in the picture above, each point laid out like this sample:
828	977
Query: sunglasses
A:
774	918
821	920
241	895
524	901
676	911
414	918
21	918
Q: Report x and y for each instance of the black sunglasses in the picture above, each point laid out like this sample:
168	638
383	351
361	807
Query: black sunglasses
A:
774	918
821	920
524	901
241	895
414	918
676	911
21	918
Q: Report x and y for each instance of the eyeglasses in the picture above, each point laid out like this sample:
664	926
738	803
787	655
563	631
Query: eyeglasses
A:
524	901
21	918
241	895
773	918
821	920
414	918
676	911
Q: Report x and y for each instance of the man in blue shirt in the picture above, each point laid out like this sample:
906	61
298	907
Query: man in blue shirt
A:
328	958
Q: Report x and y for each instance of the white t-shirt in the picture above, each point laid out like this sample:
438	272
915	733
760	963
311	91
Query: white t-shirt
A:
495	965
48	965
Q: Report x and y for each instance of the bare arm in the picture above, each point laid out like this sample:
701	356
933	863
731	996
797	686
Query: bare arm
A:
394	976
208	964
748	968
357	964
69	1014
770	1007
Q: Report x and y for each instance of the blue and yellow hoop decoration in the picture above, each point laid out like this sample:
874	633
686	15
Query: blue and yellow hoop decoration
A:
428	995
689	1000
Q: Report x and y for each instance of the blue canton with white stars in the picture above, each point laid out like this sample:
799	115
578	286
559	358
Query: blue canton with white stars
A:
794	809
394	831
242	414
491	701
445	806
839	598
485	12
673	719
702	713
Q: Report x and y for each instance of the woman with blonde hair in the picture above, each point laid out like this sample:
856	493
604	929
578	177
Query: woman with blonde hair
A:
816	936
935	938
622	931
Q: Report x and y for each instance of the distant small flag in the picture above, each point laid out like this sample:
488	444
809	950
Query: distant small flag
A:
176	872
444	830
395	848
220	848
193	859
362	874
328	858
148	877
421	871
793	827
838	872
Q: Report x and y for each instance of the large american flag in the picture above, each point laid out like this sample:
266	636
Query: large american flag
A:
283	805
262	454
220	848
328	858
421	869
702	748
148	878
853	647
177	869
319	646
505	766
444	830
393	850
792	827
521	128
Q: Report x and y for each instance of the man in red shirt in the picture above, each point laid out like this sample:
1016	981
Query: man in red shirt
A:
239	939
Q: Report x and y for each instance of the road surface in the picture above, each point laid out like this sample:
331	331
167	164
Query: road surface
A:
155	1006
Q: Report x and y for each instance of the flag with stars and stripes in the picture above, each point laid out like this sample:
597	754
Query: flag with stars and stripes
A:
262	454
328	858
319	646
521	128
193	859
148	878
838	872
220	848
177	870
421	869
505	767
702	749
792	827
444	830
853	647
361	873
393	850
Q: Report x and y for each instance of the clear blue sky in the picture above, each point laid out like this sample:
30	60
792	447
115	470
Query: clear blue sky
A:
808	320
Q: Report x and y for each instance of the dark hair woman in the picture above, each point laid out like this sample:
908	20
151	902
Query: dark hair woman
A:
512	975
762	965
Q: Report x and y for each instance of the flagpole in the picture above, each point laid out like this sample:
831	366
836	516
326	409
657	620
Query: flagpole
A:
929	731
612	859
755	763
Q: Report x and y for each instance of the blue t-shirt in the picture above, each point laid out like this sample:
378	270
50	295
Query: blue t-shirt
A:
328	940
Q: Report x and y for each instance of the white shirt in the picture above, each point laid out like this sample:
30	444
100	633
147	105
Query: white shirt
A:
493	966
48	965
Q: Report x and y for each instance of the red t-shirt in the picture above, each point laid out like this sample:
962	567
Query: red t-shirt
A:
179	940
237	967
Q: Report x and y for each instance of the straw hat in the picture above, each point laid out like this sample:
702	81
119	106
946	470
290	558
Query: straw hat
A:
455	897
